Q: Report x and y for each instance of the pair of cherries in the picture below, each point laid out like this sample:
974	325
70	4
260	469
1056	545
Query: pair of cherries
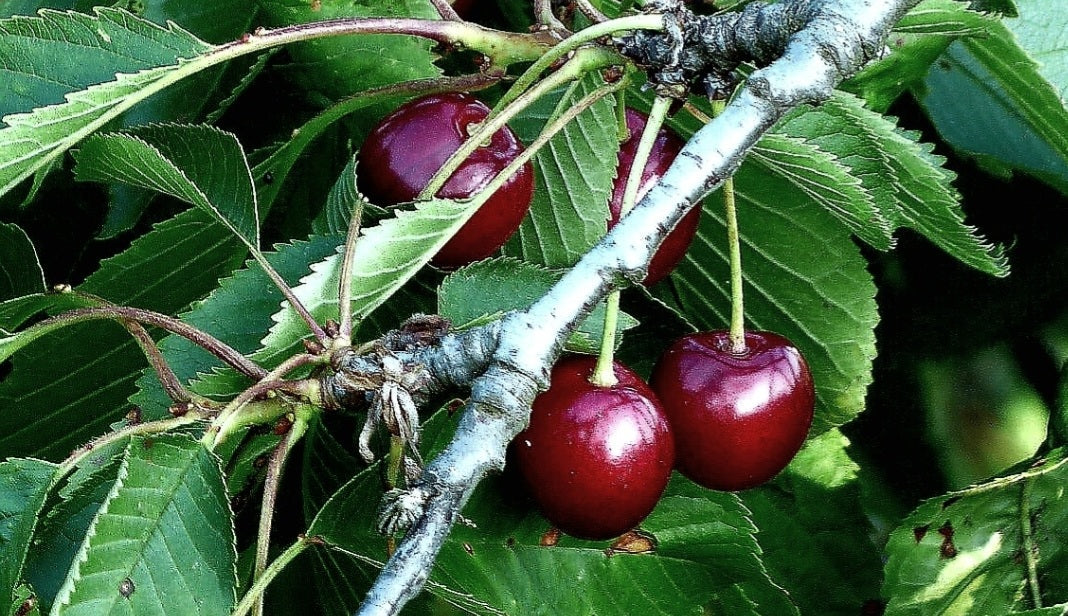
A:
404	151
597	459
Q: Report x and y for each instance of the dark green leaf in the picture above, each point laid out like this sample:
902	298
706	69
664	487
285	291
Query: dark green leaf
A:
70	386
971	550
34	46
487	289
814	533
60	532
237	312
341	66
828	182
20	271
198	164
988	98
24	484
574	174
163	542
909	183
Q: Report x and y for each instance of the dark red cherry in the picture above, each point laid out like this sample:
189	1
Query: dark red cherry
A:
596	459
666	147
738	419
463	7
407	148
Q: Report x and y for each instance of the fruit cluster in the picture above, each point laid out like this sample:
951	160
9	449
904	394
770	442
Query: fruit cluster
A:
597	458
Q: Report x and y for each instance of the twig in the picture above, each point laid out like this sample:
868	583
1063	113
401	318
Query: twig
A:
172	386
445	10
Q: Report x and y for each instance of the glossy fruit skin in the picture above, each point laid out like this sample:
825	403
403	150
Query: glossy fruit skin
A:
595	459
738	419
665	148
405	150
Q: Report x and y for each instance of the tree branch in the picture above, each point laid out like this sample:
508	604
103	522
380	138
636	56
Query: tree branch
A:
818	43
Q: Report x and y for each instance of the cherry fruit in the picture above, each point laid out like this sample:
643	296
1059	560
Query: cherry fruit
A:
596	459
666	147
738	419
407	148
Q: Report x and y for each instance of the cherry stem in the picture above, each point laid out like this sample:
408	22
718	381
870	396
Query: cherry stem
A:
603	374
590	11
270	496
737	327
291	297
277	565
547	133
495	121
209	343
543	16
344	295
573	42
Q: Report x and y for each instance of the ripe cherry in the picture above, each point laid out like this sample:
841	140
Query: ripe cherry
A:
406	149
738	419
596	459
665	149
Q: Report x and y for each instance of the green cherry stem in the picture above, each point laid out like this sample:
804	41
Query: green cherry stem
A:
737	327
495	121
603	375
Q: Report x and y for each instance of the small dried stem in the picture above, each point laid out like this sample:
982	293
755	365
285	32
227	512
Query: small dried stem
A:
172	386
590	11
270	497
149	427
445	10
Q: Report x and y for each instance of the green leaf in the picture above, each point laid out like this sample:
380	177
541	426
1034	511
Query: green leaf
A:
59	534
163	542
198	164
916	42
969	551
706	553
485	290
20	270
944	18
24	484
151	59
340	66
574	174
990	100
828	182
803	278
909	183
387	256
343	200
814	532
25	602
